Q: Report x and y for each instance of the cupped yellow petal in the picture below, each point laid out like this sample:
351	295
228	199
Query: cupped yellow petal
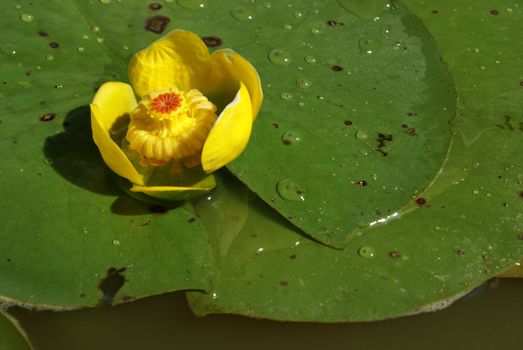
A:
174	193
176	60
224	71
230	134
113	103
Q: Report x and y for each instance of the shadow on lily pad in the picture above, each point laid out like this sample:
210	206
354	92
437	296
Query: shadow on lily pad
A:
74	156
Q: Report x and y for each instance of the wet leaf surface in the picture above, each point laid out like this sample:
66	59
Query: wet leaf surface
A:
68	231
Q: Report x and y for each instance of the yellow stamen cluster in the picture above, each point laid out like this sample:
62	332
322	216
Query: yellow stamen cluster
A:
171	126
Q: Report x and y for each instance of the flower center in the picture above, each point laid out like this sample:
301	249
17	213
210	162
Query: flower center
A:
171	126
166	103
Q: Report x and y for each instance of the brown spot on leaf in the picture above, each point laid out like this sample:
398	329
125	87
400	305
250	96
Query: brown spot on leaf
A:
47	117
157	24
361	183
421	201
394	254
155	6
212	41
459	251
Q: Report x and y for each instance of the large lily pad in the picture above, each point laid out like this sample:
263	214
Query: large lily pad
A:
466	229
69	237
11	335
370	132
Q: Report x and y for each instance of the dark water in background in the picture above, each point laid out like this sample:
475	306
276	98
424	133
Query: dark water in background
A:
490	318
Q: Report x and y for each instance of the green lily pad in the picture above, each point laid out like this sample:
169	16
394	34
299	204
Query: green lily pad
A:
71	238
370	132
464	230
12	337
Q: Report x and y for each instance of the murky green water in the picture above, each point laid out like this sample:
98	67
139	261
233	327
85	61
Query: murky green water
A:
489	320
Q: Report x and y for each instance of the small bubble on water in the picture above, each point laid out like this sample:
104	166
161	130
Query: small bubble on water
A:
290	190
116	242
105	2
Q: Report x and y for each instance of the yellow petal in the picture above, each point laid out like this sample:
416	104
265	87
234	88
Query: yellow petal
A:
230	134
112	101
173	193
224	71
175	60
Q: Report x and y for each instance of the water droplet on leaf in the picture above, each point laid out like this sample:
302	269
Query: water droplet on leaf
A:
291	137
242	14
193	4
286	96
303	83
290	190
361	135
366	252
368	46
310	59
280	57
27	17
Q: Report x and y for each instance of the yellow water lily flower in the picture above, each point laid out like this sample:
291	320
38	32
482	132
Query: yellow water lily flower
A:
194	116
